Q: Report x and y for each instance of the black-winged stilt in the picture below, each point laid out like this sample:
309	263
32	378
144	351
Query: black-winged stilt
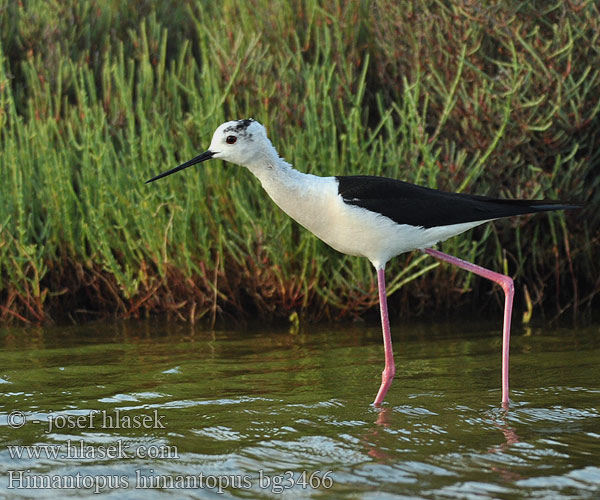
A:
372	217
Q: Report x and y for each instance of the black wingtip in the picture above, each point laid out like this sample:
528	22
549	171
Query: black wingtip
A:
559	207
548	205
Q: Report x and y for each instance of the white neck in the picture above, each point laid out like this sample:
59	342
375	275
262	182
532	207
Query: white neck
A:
278	177
304	197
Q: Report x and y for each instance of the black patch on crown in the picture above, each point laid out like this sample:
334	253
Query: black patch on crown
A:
241	128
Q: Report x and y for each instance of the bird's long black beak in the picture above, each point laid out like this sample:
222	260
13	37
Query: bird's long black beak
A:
207	155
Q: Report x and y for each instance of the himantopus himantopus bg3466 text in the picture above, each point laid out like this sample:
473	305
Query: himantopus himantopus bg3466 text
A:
372	217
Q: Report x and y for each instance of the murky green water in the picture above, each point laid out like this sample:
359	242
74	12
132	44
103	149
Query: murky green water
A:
120	408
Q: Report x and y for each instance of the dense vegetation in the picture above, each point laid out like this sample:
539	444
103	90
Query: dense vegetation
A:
497	98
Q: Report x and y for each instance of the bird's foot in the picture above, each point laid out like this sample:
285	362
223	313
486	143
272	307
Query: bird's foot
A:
387	376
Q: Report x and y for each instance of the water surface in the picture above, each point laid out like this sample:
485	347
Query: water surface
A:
151	409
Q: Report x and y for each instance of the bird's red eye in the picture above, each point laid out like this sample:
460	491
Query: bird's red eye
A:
231	139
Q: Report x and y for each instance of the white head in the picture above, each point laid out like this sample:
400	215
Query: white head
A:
243	142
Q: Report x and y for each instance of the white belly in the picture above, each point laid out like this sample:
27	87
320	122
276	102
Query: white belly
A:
356	231
350	229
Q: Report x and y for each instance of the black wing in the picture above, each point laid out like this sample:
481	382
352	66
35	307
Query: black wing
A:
406	203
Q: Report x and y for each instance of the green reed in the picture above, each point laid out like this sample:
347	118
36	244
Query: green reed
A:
96	97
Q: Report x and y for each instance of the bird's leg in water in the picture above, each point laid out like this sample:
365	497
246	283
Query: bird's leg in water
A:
508	286
390	369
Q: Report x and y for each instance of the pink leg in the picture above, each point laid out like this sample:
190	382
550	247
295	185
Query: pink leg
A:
508	286
390	369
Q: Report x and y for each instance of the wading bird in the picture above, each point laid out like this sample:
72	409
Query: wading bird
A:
372	217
